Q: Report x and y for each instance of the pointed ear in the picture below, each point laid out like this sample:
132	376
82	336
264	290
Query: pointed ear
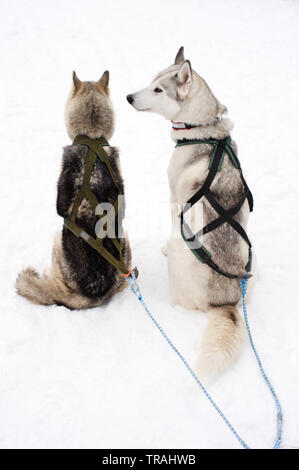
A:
179	58
76	81
184	75
104	80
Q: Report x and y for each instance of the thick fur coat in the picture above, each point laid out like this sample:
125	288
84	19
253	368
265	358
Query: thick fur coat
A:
179	94
79	276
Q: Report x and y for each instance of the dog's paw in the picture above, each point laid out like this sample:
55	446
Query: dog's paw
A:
164	250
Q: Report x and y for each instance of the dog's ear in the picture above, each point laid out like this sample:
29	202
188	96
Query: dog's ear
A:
179	58
184	79
104	80
76	81
184	75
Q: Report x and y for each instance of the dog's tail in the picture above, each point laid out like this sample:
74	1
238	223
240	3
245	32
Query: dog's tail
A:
51	290
222	341
34	288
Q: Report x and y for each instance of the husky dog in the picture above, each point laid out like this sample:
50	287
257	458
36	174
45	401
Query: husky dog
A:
79	276
182	96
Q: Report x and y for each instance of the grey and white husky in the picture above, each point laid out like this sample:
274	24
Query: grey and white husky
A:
182	96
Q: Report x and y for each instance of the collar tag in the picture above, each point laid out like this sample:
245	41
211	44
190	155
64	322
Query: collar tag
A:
179	125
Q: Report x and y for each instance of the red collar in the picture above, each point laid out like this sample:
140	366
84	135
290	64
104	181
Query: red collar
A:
179	126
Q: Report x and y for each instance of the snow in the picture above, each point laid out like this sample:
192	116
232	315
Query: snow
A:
105	378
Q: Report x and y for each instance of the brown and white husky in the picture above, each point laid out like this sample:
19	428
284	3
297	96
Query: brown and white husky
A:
79	276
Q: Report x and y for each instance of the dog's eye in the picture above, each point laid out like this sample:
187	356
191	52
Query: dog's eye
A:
158	90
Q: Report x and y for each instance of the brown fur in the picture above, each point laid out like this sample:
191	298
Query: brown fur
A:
88	112
51	288
79	277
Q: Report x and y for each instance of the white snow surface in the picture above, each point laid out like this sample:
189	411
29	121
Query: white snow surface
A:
105	378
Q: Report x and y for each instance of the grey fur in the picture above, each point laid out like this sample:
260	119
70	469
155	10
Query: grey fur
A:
186	98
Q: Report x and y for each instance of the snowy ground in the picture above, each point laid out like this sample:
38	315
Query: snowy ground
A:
104	377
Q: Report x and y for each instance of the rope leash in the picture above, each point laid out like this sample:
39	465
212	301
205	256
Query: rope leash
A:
136	291
243	283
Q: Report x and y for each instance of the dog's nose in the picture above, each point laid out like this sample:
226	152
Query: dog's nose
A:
130	99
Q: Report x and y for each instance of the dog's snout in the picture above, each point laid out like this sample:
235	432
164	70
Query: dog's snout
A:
130	99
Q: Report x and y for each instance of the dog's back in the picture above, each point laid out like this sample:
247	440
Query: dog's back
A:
79	276
84	267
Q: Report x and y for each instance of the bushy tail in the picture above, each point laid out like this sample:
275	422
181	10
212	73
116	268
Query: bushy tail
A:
50	290
34	288
222	341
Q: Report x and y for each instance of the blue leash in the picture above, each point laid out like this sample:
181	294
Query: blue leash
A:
243	283
135	289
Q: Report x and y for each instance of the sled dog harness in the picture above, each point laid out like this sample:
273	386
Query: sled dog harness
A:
220	148
96	150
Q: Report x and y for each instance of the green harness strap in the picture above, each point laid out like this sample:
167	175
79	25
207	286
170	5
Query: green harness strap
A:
225	149
220	148
96	150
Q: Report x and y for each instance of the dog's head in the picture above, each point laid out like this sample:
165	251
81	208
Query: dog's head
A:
178	93
88	110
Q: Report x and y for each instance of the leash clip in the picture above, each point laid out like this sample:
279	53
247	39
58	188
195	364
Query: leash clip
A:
131	274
